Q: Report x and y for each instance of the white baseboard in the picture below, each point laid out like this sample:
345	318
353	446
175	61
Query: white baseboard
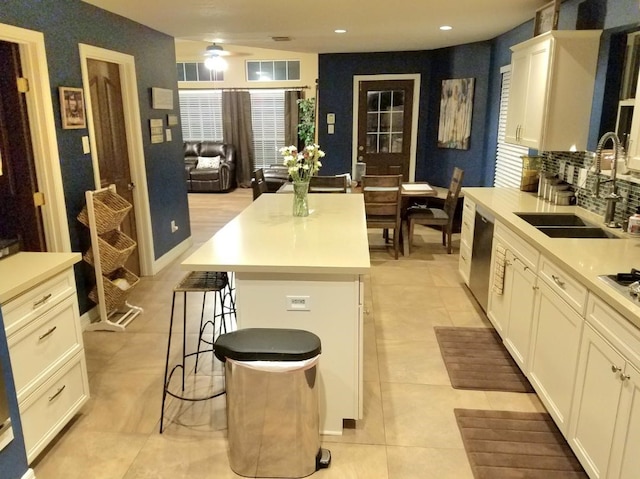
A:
171	256
90	316
29	474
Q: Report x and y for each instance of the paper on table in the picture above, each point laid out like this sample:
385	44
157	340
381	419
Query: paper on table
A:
416	187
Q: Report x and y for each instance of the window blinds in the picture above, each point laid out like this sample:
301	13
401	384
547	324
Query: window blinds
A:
201	114
508	157
267	117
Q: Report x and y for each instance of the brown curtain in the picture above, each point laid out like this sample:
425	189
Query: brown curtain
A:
291	117
236	125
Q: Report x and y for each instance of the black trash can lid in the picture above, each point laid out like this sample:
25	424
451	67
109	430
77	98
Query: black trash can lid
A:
267	344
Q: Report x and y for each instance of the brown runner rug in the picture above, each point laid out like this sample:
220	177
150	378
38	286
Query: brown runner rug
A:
510	445
476	359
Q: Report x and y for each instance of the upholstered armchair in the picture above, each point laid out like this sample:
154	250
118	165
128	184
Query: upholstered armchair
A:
209	166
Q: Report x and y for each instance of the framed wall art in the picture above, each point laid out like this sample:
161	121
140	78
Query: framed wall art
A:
72	108
546	18
456	108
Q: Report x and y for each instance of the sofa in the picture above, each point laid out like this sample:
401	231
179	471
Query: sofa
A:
209	166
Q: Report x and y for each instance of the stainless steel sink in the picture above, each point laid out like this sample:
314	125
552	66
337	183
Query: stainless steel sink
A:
565	225
576	232
552	219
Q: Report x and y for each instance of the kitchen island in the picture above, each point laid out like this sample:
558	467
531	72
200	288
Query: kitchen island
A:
303	273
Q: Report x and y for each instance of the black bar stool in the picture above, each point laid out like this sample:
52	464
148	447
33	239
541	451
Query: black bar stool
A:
199	282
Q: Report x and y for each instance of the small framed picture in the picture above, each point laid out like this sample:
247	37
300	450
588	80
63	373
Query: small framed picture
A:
72	108
546	18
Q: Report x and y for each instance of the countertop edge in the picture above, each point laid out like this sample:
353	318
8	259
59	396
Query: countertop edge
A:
28	269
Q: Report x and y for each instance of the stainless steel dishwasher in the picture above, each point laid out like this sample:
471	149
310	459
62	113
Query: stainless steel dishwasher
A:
481	256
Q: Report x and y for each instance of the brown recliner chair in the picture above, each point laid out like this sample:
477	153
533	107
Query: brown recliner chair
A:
220	176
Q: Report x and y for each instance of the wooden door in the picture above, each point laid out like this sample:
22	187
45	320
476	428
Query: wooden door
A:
19	217
385	111
111	141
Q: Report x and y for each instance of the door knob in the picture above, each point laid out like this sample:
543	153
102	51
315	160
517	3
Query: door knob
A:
361	148
131	186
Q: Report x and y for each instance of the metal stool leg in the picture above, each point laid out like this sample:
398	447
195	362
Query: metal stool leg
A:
165	384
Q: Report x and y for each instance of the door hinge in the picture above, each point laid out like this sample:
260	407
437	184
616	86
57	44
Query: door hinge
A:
38	198
23	84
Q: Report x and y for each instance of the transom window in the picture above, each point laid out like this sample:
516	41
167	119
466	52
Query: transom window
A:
273	70
197	72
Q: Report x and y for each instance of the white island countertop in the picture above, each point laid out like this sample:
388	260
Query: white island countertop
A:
266	237
22	271
585	258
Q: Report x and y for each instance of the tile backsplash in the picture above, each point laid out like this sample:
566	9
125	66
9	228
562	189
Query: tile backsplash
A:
628	187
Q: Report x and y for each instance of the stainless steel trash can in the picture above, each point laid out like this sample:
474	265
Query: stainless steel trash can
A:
272	401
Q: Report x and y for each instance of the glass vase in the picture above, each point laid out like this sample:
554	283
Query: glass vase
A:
300	198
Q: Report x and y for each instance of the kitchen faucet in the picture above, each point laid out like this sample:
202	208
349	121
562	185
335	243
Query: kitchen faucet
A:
612	197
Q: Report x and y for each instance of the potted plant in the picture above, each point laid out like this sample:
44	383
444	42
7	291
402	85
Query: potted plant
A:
307	120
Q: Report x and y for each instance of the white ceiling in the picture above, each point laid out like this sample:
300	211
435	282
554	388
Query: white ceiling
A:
395	25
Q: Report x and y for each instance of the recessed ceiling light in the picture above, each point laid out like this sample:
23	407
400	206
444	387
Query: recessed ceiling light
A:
340	30
446	27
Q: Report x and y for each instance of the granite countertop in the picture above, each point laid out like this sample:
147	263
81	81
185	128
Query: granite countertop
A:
22	271
585	259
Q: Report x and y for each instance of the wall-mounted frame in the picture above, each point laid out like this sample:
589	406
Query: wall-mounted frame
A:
161	98
546	18
72	109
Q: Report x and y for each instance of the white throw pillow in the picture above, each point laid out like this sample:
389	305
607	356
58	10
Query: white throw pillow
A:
208	162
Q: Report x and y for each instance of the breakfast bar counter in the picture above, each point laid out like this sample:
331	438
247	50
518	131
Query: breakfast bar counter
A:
302	273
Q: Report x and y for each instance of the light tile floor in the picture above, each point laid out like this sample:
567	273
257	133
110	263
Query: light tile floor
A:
408	430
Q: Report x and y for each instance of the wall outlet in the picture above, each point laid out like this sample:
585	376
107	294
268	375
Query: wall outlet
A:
174	227
298	303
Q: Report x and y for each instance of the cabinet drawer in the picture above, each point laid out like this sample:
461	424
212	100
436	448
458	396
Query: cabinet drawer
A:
520	249
40	348
49	408
26	307
464	264
574	293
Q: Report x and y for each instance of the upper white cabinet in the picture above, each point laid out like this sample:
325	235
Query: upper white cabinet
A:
552	80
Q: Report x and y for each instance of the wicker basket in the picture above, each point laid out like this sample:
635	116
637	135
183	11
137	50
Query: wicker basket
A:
110	209
115	247
115	297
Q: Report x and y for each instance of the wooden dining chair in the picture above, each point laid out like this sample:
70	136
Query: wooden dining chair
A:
436	216
328	184
258	183
382	195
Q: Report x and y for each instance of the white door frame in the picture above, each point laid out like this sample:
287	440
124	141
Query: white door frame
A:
414	119
134	143
33	59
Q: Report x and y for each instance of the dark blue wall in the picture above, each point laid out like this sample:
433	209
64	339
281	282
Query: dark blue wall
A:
481	61
13	458
65	24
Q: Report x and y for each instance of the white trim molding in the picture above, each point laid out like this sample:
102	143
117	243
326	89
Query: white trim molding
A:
33	58
29	474
172	255
414	118
134	143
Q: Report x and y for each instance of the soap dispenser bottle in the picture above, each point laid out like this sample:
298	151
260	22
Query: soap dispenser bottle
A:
634	223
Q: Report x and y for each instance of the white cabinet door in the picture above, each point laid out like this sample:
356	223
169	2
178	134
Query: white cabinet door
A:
625	459
527	96
523	290
517	95
595	407
554	353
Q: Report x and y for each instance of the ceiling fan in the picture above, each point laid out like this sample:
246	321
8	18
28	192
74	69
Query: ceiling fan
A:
214	58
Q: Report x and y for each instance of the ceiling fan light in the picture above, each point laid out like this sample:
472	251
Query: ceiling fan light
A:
216	63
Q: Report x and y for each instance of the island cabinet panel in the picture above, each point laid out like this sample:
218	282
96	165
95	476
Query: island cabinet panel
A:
333	311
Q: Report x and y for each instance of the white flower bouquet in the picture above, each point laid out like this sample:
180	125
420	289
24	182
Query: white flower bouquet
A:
302	165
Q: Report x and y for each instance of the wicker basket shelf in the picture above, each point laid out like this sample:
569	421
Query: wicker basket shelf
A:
114	296
115	248
110	209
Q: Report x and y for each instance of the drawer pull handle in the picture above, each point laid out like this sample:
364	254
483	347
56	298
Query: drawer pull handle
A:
48	333
615	369
557	280
57	393
463	258
624	377
41	301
